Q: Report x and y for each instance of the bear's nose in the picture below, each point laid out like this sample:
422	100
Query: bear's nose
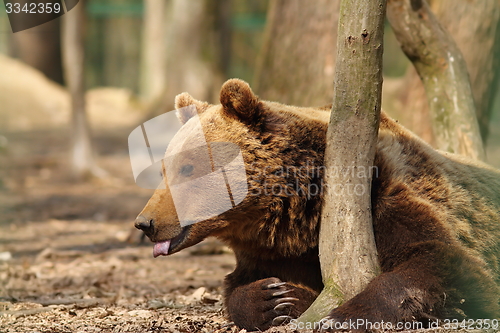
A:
144	224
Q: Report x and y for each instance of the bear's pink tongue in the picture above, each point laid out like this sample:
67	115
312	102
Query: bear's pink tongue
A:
161	248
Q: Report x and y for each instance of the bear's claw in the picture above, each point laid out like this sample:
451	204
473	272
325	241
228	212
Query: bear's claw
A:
287	299
283	306
280	320
274	285
281	292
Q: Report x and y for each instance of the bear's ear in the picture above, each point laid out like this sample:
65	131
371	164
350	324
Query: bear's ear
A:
238	100
184	113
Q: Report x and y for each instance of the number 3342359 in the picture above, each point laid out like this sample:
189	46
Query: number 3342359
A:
33	8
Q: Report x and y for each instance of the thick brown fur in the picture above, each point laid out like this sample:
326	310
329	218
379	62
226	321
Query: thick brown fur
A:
436	219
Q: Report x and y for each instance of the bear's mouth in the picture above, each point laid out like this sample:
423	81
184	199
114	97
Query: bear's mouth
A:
170	246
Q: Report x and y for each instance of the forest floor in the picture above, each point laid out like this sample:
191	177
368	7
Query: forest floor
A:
65	263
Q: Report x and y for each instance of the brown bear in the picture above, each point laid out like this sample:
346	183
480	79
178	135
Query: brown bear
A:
436	219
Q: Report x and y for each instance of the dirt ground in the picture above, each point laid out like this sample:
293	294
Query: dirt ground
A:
65	264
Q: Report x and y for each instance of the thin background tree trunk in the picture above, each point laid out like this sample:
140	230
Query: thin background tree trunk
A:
297	61
475	27
153	62
443	71
187	68
40	47
82	161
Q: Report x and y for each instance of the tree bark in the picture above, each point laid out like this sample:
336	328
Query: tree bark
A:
153	62
82	161
40	47
121	46
222	10
187	69
475	27
297	62
443	71
347	249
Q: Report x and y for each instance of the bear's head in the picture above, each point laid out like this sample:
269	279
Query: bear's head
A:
265	155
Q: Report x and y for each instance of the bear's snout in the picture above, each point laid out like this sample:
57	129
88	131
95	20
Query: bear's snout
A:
144	224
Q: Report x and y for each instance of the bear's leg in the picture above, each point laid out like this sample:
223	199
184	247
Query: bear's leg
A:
267	302
436	280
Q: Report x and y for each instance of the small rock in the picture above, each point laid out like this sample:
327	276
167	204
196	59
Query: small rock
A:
209	299
5	256
157	304
122	235
195	297
140	313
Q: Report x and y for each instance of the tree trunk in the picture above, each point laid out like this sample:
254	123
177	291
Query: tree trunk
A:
347	249
222	21
153	62
443	71
186	68
475	27
121	48
82	162
297	61
40	47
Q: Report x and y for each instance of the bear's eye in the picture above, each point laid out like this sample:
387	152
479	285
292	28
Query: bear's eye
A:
187	170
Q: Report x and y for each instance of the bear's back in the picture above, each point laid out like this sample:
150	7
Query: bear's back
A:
466	193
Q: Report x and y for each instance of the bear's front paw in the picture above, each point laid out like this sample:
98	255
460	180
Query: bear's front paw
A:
262	304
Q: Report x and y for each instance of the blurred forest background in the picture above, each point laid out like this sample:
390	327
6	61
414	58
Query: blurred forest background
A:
139	54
